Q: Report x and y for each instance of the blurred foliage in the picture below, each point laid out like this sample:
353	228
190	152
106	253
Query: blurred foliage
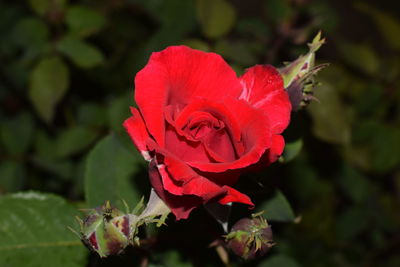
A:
66	83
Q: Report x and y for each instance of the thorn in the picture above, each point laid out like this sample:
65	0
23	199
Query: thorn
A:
107	205
74	231
80	221
126	205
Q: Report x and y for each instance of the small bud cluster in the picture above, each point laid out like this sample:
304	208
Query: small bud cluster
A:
250	238
108	231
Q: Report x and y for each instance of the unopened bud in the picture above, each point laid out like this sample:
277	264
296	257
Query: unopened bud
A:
106	230
298	76
250	238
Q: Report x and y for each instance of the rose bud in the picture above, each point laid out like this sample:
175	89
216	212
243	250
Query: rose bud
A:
250	238
298	76
106	230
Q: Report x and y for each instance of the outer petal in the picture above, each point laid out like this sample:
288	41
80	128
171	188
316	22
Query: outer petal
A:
197	185
181	206
138	132
263	88
271	155
177	75
175	179
276	150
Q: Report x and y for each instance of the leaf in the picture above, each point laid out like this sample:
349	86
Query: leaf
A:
216	17
49	81
118	111
278	10
172	258
108	175
360	56
197	44
84	55
30	31
12	175
83	21
45	147
354	184
62	168
16	133
353	221
278	209
34	233
39	6
279	260
30	34
330	119
239	52
292	149
74	140
376	144
92	114
388	24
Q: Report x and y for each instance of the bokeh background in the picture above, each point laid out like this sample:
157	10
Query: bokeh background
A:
66	84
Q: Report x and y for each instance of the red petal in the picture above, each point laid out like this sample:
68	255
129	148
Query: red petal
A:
276	150
176	76
233	195
138	132
255	137
263	88
181	206
173	179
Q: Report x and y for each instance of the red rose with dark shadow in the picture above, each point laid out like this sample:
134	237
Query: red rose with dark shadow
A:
201	126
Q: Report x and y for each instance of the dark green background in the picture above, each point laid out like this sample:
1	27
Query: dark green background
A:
66	82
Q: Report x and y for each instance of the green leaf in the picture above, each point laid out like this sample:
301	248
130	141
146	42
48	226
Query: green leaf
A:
109	172
376	144
49	82
278	209
41	7
118	111
216	17
62	168
74	140
197	44
16	133
34	233
171	258
352	222
279	260
12	175
83	21
239	52
278	10
292	149
30	31
30	34
84	55
92	114
330	117
388	24
354	184
360	56
45	147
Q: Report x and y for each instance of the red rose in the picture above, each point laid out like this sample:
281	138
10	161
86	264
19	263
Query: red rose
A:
200	125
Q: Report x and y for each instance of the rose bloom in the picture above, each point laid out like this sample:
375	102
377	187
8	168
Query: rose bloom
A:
200	126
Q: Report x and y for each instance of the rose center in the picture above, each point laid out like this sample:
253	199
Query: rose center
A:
201	124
